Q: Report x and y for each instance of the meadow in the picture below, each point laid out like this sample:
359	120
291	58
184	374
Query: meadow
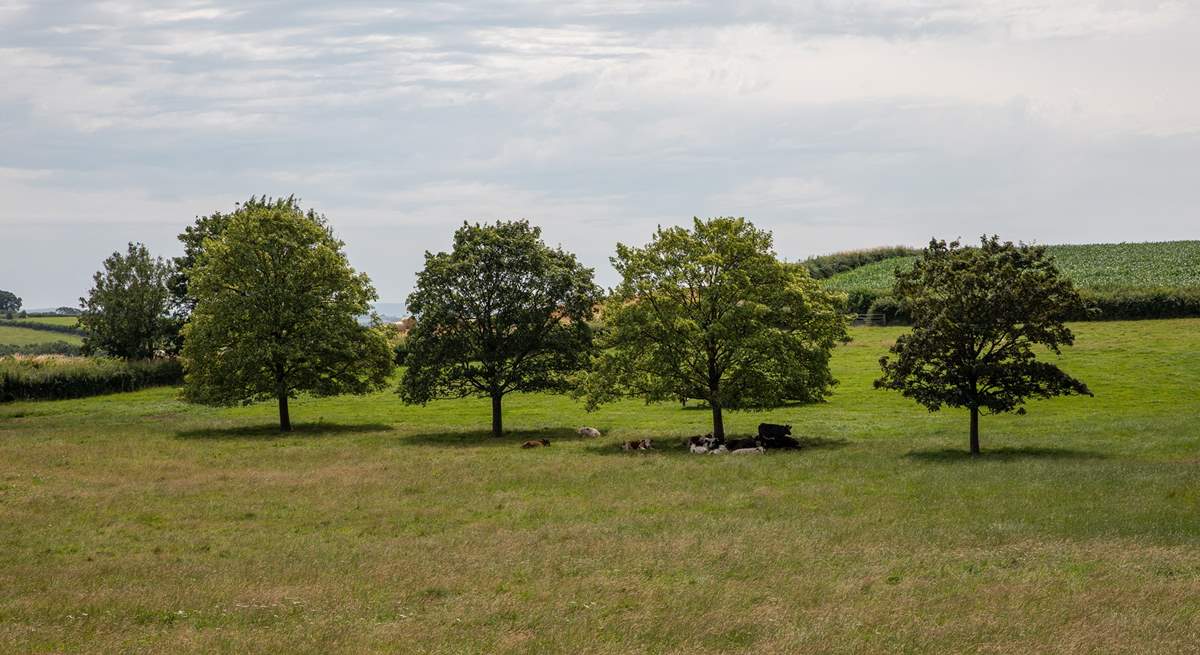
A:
21	336
136	523
1103	267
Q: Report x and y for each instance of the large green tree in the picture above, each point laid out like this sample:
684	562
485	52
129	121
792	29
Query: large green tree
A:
711	314
276	314
9	302
979	315
500	312
127	313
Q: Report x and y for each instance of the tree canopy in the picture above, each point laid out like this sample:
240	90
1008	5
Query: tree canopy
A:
978	314
9	302
276	313
127	313
500	312
711	314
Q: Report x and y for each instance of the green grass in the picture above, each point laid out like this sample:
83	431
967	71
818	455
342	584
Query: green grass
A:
135	523
53	320
1108	266
17	336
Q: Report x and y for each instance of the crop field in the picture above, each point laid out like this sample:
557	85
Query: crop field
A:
1169	264
136	523
17	336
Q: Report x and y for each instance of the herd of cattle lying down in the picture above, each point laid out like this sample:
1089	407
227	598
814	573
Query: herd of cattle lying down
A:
770	437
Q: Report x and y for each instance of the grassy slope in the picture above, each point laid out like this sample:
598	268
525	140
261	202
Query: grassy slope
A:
1094	266
134	523
16	336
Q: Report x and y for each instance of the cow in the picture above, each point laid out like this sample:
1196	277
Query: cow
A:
736	444
590	433
771	435
536	443
638	444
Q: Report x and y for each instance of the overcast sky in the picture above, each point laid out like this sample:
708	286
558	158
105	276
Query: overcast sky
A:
836	124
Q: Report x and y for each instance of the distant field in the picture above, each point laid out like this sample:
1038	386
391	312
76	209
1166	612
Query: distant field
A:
53	320
15	336
136	523
1171	264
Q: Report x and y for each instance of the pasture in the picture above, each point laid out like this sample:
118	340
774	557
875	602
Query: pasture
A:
20	336
136	523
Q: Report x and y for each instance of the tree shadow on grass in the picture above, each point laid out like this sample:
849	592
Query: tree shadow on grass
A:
672	446
271	431
951	455
478	438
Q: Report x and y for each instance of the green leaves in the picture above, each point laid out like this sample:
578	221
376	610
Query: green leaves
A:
978	314
127	312
276	312
711	314
501	312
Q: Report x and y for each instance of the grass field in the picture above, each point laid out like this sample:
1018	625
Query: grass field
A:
134	523
17	336
53	320
1107	266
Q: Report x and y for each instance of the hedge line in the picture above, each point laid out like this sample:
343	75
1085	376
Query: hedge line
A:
824	266
54	378
1118	305
51	348
47	327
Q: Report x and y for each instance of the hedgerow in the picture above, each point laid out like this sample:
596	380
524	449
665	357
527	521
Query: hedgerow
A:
53	377
50	348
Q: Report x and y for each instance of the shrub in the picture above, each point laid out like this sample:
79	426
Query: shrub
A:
50	348
824	266
893	309
1127	304
54	377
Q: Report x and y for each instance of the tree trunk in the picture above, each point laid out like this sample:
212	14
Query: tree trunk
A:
497	422
718	421
285	421
974	430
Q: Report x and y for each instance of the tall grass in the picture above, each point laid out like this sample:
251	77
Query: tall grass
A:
52	377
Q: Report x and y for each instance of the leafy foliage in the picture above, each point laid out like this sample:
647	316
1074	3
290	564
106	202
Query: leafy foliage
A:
55	378
44	348
825	266
711	314
9	302
276	313
127	313
500	312
977	315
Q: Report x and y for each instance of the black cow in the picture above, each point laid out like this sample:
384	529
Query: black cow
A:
771	435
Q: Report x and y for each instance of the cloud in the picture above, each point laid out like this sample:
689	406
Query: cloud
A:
834	123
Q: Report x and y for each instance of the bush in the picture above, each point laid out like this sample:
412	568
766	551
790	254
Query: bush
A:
1128	304
51	348
824	266
54	377
894	310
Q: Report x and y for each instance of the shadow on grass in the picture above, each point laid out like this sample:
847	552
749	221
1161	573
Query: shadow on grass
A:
673	446
477	438
271	431
950	455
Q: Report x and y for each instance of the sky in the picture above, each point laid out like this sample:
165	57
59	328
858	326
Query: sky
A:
835	124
